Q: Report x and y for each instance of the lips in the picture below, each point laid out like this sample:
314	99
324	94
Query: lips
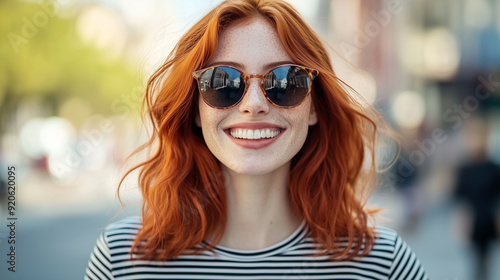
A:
254	135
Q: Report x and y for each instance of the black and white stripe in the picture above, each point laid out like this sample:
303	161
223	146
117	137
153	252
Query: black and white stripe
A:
390	259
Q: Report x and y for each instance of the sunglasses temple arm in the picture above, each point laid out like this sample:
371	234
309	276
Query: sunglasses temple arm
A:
314	73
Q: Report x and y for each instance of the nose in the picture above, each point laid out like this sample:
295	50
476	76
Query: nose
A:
254	102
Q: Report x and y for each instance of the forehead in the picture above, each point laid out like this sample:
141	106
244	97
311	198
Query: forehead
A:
252	43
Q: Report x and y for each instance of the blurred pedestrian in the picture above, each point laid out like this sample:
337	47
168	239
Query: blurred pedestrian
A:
478	188
406	181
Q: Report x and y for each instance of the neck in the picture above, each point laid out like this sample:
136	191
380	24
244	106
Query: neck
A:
260	213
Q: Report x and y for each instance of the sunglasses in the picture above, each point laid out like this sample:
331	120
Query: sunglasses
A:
285	86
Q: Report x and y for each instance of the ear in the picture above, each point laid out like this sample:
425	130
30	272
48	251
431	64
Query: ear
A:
313	117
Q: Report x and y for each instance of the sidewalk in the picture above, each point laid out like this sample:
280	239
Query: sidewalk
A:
442	253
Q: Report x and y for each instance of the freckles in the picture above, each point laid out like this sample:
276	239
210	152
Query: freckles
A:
298	113
245	41
272	39
227	47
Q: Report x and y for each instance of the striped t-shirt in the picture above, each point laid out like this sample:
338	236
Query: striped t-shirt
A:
390	258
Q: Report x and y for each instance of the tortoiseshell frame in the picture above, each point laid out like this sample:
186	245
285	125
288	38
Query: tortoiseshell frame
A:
313	73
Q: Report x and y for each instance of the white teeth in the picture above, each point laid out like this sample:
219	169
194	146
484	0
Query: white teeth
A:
254	134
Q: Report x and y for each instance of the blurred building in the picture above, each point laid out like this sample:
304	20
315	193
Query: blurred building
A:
72	80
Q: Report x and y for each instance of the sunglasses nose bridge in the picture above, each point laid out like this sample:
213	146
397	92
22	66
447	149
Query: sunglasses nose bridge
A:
257	76
254	92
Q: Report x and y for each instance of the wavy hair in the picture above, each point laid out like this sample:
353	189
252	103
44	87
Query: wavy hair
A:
181	182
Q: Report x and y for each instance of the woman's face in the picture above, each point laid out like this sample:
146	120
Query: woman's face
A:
253	46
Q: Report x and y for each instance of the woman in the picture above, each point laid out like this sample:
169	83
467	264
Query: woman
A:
257	165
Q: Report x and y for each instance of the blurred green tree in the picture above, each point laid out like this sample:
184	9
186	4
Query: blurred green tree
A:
43	56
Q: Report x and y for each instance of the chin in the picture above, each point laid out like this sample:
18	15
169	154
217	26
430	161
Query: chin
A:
255	169
248	170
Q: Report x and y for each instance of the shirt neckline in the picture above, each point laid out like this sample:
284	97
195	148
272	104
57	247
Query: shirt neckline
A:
274	249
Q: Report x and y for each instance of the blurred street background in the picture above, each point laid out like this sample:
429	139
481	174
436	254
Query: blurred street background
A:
72	73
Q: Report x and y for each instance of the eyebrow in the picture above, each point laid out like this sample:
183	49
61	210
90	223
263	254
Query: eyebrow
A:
277	63
240	66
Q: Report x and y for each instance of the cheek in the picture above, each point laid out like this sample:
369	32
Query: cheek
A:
209	118
205	113
300	116
205	118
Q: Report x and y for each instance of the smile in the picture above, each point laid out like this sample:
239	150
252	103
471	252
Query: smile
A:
256	134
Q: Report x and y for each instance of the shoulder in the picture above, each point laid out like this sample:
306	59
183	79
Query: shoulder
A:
382	250
120	235
384	242
388	241
113	244
129	225
403	262
384	235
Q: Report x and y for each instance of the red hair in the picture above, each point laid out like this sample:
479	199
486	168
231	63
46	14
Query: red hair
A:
181	182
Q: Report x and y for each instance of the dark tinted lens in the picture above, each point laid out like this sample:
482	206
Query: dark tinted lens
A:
287	86
221	87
